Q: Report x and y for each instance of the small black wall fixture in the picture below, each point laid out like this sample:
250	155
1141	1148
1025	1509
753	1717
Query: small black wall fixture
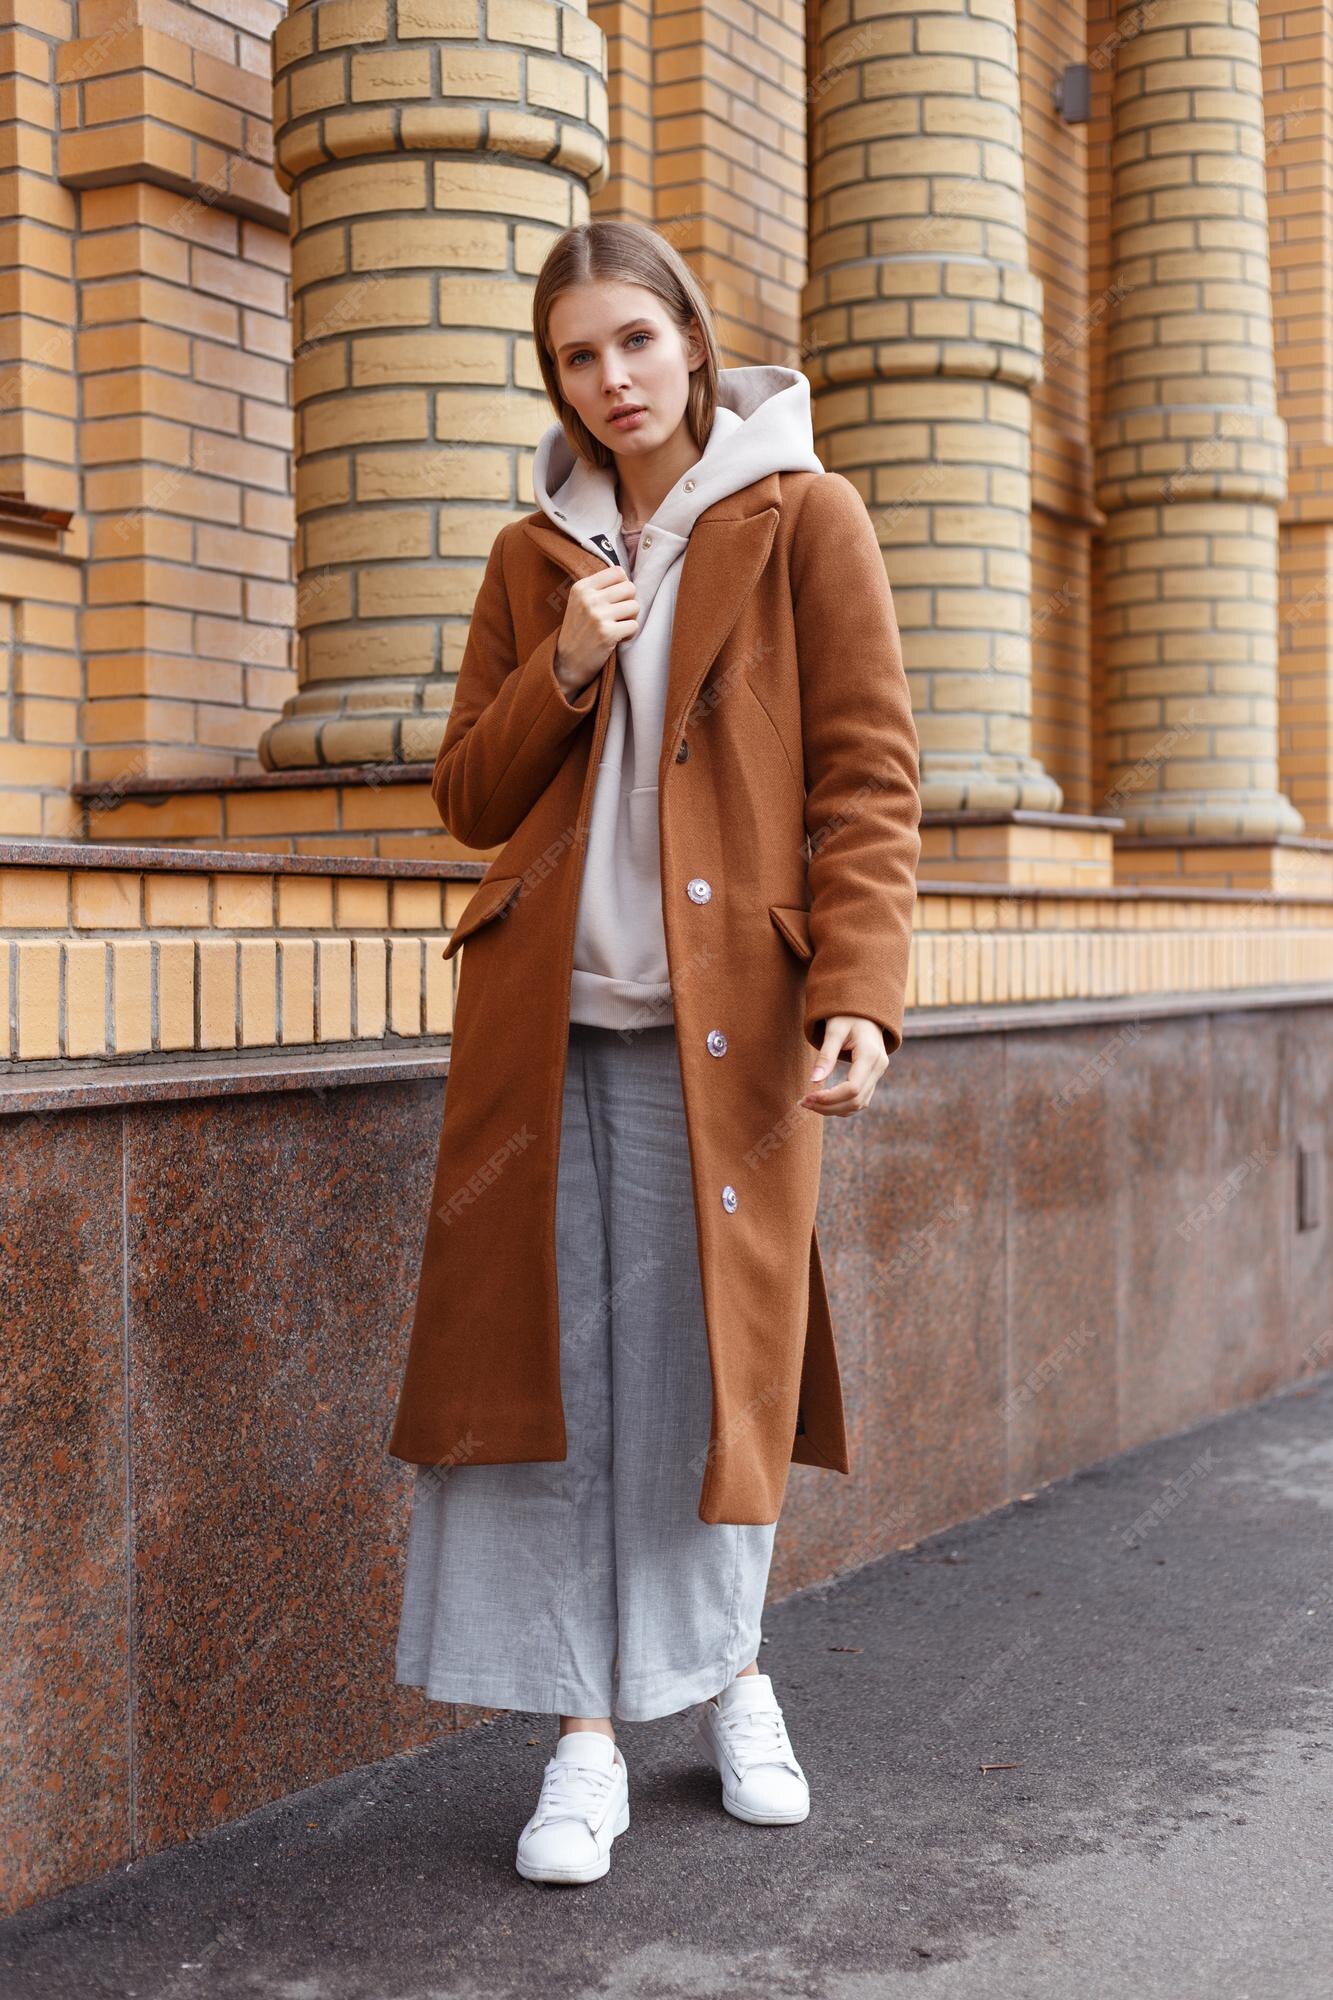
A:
1071	93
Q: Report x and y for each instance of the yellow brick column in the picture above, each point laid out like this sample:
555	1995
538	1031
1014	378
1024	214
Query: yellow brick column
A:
431	159
1191	457
923	337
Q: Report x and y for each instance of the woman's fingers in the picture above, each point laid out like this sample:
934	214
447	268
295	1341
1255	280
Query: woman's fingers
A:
867	1064
611	583
617	607
831	1096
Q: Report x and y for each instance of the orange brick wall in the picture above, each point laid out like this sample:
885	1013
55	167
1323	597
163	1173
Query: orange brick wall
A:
184	351
146	511
41	533
1050	36
628	189
1298	108
1100	57
708	144
1298	113
37	219
145	483
184	355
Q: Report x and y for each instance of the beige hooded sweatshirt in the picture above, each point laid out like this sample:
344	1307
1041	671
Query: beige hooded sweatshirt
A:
761	424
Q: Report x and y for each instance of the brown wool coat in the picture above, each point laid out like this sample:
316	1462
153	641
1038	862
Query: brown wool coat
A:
788	782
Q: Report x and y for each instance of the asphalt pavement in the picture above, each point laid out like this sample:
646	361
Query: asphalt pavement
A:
1078	1749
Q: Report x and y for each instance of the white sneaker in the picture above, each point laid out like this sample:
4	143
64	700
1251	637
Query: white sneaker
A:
584	1804
745	1735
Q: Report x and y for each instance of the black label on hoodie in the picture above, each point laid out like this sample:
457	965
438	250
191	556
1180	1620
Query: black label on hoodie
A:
606	545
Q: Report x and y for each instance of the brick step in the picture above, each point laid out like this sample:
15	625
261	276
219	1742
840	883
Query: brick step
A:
108	954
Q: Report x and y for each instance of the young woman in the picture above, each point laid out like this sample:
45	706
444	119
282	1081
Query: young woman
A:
682	717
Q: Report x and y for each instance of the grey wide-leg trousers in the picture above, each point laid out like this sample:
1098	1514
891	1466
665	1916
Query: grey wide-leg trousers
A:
589	1586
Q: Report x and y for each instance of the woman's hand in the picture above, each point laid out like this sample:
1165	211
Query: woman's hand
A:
869	1062
600	611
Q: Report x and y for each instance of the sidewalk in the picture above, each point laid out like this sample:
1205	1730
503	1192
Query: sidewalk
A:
1147	1643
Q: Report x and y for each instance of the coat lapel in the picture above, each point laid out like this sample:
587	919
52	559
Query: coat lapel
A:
723	563
561	548
728	547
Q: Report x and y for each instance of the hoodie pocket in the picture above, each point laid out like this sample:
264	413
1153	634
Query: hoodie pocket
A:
645	833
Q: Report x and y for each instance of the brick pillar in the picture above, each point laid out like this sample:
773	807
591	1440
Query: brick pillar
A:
182	414
430	167
922	342
1191	457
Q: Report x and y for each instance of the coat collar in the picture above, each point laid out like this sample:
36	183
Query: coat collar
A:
728	548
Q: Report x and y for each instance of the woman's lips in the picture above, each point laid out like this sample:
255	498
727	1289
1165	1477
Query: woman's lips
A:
628	420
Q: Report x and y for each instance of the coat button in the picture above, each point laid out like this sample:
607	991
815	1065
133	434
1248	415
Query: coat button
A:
683	751
689	486
717	1042
647	541
698	890
729	1199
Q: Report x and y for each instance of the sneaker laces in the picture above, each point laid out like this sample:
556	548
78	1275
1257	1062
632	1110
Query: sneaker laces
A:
571	1790
758	1736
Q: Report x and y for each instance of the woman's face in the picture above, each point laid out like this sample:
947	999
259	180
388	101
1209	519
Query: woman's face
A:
615	345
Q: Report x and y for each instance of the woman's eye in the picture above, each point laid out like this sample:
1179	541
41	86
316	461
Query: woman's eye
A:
574	359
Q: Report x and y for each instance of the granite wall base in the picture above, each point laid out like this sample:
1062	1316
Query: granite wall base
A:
1043	1245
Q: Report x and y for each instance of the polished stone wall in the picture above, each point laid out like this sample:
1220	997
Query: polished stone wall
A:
1043	1244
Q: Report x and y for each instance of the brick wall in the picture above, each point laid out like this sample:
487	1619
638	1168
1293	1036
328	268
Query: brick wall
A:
1298	116
708	140
144	400
184	347
144	346
1051	35
1100	57
42	539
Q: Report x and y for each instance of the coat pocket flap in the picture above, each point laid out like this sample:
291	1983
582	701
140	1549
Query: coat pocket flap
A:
795	927
494	895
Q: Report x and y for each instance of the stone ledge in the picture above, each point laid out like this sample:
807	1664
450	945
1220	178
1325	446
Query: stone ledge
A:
922	1023
37	1090
1023	816
76	855
369	776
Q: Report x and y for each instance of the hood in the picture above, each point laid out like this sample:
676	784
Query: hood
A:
761	424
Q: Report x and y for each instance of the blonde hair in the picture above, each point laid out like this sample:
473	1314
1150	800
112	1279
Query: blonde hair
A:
633	254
